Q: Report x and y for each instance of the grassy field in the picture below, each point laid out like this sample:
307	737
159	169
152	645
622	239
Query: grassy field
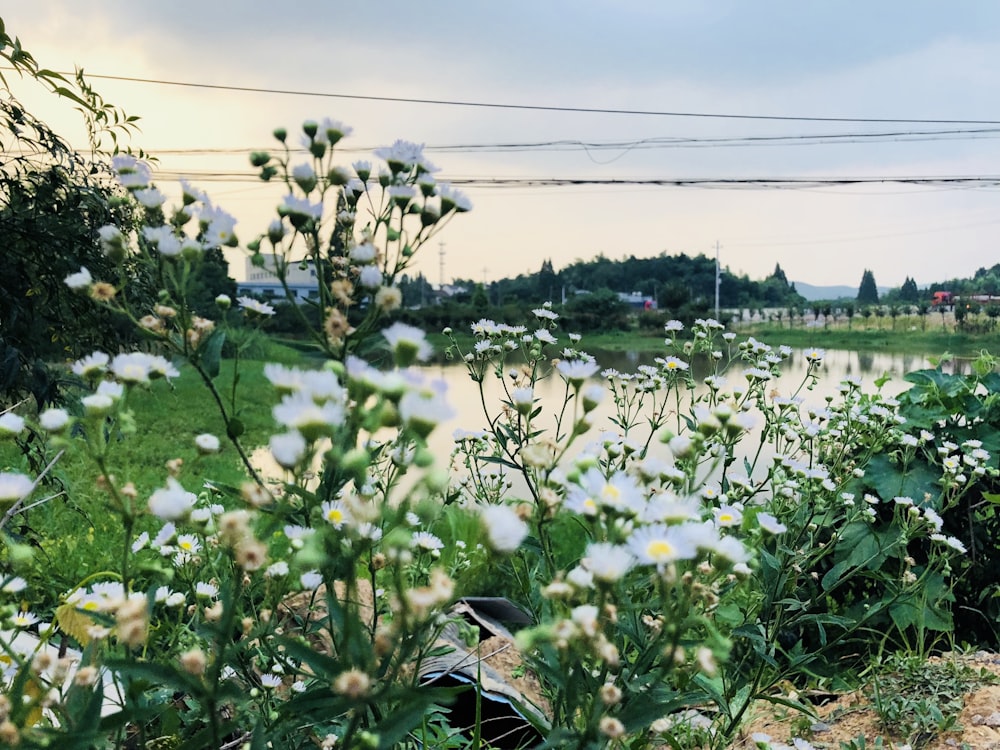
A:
76	532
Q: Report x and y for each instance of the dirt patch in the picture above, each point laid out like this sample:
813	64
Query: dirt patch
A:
844	718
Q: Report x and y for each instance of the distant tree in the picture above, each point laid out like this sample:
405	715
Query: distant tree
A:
909	291
480	301
598	311
211	278
849	312
960	315
547	283
922	309
868	290
993	312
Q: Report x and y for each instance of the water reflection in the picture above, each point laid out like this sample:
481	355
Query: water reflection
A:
464	393
836	366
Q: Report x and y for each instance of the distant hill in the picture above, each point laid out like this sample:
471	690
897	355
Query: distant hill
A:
811	292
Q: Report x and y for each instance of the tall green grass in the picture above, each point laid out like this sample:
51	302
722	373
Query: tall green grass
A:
75	532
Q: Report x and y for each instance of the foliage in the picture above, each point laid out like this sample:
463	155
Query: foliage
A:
53	202
963	412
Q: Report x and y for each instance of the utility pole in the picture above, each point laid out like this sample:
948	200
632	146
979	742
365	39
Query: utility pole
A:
718	279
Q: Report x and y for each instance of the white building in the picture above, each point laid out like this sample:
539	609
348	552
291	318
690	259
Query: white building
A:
263	281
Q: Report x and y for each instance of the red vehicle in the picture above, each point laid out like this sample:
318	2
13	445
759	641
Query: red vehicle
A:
942	298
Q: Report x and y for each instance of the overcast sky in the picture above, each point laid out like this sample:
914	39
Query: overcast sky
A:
892	59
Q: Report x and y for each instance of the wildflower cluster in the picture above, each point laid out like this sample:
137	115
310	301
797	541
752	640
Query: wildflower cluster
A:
690	533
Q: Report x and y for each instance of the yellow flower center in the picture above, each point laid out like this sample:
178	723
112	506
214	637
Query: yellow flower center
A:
659	549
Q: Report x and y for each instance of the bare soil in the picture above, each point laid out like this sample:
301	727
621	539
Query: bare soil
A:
850	716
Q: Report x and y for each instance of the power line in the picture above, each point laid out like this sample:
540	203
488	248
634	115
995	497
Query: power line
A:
534	107
659	142
716	182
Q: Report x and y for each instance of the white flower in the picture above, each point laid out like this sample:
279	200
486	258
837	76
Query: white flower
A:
453	199
207	443
370	277
404	155
14	585
363	253
253	306
220	227
288	449
770	524
302	207
206	590
111	389
141	541
13	487
137	368
577	370
23	619
522	398
661	545
407	340
163	239
188	543
426	541
334	513
131	172
544	336
270	680
150	197
311	580
277	570
79	280
422	410
173	502
299	411
11	424
91	366
304	176
97	404
504	529
727	515
608	562
950	541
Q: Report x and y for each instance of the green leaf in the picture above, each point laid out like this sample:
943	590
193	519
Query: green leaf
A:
211	352
889	480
